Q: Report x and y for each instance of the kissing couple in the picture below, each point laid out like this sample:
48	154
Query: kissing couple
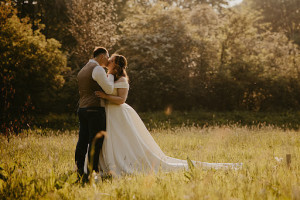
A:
112	137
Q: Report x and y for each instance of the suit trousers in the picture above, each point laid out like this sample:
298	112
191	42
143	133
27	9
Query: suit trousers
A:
91	121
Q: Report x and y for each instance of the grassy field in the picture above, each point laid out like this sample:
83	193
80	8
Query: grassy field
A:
39	164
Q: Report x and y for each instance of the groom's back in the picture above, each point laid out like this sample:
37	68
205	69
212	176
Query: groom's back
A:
87	87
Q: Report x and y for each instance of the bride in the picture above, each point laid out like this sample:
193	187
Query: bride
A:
128	146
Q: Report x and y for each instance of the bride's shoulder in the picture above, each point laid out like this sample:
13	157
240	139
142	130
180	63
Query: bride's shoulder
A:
122	80
122	83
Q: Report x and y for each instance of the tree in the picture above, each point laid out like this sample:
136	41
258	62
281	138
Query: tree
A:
51	13
92	23
283	15
203	24
219	4
253	61
30	70
229	60
156	44
190	4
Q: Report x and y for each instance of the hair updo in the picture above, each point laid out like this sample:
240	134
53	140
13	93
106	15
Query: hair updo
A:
120	66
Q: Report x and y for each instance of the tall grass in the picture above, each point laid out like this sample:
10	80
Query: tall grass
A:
39	164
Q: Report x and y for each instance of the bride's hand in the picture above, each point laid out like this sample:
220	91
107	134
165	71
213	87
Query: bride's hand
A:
101	94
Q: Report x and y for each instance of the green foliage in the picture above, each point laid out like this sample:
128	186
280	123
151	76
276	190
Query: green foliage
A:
52	13
283	16
91	26
155	43
174	119
190	173
191	54
201	118
197	57
30	70
55	121
189	4
253	62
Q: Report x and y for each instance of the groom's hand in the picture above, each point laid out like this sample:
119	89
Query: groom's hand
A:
101	94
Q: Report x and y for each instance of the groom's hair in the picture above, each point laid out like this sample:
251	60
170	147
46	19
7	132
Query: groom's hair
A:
99	50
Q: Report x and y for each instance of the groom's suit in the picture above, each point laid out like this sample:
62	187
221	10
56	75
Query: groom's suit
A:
91	112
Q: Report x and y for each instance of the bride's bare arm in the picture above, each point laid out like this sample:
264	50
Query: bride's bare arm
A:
119	99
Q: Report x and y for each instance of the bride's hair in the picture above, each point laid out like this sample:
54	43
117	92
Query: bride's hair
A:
120	66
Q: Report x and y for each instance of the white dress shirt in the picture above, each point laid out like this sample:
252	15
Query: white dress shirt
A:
105	81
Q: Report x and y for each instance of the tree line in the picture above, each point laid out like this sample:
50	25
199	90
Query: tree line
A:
184	54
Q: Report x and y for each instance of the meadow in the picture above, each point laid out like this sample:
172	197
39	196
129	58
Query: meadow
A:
39	164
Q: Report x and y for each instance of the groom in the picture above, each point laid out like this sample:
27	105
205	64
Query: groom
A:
91	112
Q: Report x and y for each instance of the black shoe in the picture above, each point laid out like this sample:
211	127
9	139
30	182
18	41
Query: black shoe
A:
80	172
85	178
82	177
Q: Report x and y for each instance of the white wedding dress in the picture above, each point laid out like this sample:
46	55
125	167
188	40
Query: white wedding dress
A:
128	146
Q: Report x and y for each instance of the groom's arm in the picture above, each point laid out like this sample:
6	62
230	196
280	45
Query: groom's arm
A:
106	82
119	99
